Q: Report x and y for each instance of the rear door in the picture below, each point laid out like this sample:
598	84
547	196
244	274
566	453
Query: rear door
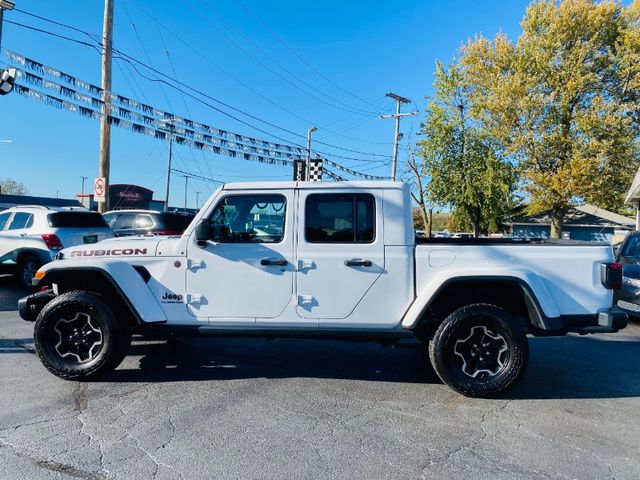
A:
340	251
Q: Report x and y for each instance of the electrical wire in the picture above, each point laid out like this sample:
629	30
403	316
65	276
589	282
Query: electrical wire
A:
131	60
226	105
308	64
146	54
248	87
267	67
355	110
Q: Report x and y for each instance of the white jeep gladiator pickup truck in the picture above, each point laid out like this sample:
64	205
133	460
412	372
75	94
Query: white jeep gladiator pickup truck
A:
322	260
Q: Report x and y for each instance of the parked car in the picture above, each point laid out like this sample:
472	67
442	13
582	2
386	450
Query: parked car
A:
31	236
147	222
336	260
628	254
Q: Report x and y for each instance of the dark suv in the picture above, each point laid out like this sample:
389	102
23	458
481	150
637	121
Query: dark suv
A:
147	222
628	254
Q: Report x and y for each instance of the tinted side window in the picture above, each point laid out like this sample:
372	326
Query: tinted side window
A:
248	219
21	220
176	223
632	247
3	219
340	218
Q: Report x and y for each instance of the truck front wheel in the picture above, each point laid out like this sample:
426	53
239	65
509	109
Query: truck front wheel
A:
79	337
479	350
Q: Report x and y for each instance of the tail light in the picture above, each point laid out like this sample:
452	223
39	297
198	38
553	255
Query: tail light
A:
611	275
52	241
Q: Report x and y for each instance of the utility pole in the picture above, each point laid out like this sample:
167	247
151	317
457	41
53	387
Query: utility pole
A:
396	138
4	5
186	182
309	132
82	189
105	127
198	200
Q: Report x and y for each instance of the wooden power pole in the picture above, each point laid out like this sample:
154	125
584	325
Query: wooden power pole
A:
105	127
396	137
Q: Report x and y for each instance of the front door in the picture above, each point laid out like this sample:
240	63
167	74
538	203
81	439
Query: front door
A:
245	270
340	251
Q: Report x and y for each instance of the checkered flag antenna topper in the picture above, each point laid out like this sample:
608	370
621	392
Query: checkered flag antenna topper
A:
315	170
7	79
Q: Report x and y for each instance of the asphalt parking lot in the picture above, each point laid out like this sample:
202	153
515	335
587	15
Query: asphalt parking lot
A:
212	408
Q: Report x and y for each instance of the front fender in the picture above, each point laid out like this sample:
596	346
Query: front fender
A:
127	282
528	280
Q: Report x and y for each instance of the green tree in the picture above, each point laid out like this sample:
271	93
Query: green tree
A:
9	186
563	99
466	169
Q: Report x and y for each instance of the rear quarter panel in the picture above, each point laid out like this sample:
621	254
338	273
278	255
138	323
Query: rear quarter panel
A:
565	279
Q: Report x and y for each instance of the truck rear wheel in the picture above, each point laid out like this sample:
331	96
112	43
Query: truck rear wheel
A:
79	337
479	350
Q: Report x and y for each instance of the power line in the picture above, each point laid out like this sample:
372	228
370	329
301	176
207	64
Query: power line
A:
131	60
63	37
146	54
245	85
296	54
267	67
355	110
199	177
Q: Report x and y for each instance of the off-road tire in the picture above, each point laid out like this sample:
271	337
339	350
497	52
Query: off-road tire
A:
27	267
458	327
115	335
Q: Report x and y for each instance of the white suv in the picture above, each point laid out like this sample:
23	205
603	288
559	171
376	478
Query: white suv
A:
31	236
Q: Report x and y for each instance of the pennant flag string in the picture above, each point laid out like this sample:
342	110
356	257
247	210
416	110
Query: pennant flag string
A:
64	91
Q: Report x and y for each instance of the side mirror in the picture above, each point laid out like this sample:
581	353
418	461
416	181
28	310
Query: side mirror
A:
202	232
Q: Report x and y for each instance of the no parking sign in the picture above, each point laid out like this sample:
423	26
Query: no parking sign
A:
99	189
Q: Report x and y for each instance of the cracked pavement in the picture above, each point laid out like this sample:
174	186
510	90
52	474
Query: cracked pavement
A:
221	408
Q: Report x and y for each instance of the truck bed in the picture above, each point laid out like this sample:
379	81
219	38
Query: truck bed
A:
506	241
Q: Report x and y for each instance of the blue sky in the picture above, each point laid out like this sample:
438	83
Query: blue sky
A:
241	52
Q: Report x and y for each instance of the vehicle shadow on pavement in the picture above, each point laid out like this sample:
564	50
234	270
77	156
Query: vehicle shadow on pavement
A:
189	359
560	368
581	367
10	293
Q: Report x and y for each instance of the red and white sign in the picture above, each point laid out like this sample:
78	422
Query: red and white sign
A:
98	189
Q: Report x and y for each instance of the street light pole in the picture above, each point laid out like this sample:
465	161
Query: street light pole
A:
186	182
309	132
198	200
82	189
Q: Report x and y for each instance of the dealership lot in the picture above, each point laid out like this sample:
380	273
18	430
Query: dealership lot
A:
220	408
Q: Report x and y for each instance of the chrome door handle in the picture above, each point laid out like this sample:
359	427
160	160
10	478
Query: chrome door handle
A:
358	263
281	262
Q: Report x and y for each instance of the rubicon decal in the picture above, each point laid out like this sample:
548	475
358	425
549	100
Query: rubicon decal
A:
108	253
